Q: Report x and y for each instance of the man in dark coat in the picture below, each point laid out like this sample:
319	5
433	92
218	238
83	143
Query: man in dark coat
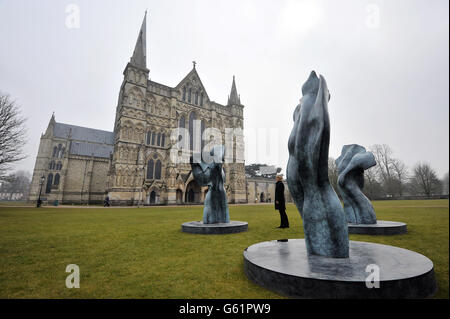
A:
280	202
106	202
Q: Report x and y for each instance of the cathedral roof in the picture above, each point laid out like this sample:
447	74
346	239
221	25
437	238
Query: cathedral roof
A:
90	149
85	141
83	134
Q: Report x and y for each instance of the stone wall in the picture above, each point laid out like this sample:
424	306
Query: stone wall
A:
262	190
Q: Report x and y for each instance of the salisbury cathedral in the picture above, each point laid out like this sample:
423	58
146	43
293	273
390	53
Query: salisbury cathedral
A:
132	165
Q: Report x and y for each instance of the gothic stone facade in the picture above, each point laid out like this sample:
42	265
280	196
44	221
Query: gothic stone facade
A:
132	164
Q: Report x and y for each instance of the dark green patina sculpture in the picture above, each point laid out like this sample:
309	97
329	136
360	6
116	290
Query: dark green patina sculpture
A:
324	222
212	175
351	165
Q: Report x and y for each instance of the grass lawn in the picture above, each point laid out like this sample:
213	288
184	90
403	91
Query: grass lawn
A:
142	253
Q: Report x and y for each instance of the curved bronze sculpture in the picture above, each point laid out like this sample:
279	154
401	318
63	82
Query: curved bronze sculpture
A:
212	175
351	165
324	222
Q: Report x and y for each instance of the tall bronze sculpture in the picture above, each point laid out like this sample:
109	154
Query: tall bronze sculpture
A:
324	222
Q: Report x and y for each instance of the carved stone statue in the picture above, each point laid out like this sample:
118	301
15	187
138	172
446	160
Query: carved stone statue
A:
216	206
324	222
351	165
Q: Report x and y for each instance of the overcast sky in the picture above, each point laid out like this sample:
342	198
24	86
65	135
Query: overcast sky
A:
386	64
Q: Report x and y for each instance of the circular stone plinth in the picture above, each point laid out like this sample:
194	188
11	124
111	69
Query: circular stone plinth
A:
284	267
198	227
382	227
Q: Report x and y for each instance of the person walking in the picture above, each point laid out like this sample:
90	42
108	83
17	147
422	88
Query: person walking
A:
106	202
280	202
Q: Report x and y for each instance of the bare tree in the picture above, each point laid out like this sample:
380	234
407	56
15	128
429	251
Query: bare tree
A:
393	172
372	187
12	134
425	180
383	156
400	172
333	173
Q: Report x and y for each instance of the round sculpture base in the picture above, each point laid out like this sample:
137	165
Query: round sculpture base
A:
382	227
284	267
198	227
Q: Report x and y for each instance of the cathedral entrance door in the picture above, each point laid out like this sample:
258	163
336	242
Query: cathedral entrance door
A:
193	192
191	196
152	197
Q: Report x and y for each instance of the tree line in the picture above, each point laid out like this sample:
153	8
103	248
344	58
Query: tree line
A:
15	186
391	178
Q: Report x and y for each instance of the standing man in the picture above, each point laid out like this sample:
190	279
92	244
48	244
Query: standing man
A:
280	202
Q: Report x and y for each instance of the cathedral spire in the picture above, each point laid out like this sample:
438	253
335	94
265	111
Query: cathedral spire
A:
51	125
234	98
139	58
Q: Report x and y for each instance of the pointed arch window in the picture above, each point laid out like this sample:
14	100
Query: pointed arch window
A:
192	118
48	188
60	151
153	138
158	141
163	139
182	122
56	181
149	135
196	98
201	99
184	93
158	169
51	165
150	167
189	95
59	166
55	151
181	126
